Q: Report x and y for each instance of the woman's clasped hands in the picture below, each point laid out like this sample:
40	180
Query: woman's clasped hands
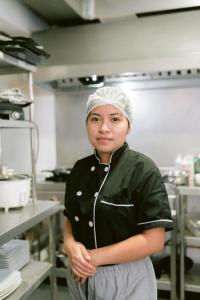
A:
80	261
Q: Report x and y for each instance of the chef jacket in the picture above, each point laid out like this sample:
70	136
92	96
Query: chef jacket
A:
110	202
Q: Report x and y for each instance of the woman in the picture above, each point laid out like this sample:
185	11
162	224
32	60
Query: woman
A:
116	207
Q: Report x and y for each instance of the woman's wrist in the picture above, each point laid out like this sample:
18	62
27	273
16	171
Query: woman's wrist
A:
68	243
95	257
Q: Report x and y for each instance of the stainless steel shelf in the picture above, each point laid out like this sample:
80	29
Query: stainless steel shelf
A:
191	240
189	190
61	272
192	283
15	124
164	283
33	275
16	221
12	65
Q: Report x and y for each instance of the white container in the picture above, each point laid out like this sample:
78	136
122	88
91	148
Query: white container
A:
197	179
14	193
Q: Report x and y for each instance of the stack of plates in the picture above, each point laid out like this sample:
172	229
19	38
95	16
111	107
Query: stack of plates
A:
14	254
9	281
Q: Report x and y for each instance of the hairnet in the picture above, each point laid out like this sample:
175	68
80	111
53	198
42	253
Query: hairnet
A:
113	96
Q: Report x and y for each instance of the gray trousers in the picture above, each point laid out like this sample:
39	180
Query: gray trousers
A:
130	281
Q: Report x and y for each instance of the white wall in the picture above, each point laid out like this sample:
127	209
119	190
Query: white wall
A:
166	123
15	144
44	117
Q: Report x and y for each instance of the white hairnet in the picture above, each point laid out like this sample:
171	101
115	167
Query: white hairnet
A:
113	96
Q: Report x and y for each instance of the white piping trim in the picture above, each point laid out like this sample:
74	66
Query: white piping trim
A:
95	154
95	236
161	220
105	202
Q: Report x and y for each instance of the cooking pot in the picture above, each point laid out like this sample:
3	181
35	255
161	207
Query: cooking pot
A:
176	177
14	191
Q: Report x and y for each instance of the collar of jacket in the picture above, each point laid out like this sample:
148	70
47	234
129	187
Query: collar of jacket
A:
114	155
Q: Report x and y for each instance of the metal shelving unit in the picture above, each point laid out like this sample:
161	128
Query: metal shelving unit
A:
17	221
33	275
16	124
189	282
168	283
12	65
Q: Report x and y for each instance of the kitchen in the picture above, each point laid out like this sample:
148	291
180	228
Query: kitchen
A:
157	62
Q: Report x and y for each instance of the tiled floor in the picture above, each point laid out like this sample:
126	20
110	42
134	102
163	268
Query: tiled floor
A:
43	293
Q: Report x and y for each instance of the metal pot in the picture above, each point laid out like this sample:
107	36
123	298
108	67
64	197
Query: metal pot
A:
176	177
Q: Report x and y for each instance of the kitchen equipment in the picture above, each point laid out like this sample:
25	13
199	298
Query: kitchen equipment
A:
14	191
59	174
24	48
176	177
14	96
12	102
10	111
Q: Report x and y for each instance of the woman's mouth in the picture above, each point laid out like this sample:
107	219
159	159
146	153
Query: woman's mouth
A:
103	140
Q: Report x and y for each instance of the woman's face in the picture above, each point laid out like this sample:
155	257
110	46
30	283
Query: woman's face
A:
107	129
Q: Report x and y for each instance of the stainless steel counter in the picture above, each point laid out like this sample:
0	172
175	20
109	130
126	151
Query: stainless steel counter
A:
50	190
19	220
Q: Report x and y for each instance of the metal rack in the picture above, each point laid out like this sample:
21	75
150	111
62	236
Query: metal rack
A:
18	221
166	283
12	65
189	282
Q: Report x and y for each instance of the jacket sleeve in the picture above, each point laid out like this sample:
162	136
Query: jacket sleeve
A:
153	209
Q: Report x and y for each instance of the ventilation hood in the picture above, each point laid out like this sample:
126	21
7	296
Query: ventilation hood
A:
136	81
108	37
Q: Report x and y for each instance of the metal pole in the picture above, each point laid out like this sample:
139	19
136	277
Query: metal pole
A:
52	257
32	144
173	259
182	249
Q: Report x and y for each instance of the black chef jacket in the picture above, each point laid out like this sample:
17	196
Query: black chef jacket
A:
108	203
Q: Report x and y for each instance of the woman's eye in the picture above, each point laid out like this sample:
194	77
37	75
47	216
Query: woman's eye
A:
115	119
94	119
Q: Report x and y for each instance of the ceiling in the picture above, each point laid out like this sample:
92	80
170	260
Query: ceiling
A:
93	20
28	16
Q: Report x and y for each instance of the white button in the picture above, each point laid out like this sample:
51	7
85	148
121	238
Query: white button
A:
76	218
79	193
106	169
90	223
92	168
95	194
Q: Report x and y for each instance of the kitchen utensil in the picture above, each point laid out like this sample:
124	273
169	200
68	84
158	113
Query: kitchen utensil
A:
14	191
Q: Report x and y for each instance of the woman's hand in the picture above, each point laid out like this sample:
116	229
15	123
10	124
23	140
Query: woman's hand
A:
79	260
81	280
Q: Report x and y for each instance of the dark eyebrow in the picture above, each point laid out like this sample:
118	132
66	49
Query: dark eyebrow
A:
94	114
116	114
113	114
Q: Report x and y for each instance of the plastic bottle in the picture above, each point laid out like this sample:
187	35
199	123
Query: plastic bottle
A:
178	163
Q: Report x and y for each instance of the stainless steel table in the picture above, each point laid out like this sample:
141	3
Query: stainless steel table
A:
15	222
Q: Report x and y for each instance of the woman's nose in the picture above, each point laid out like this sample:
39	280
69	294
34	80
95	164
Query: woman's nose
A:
104	126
